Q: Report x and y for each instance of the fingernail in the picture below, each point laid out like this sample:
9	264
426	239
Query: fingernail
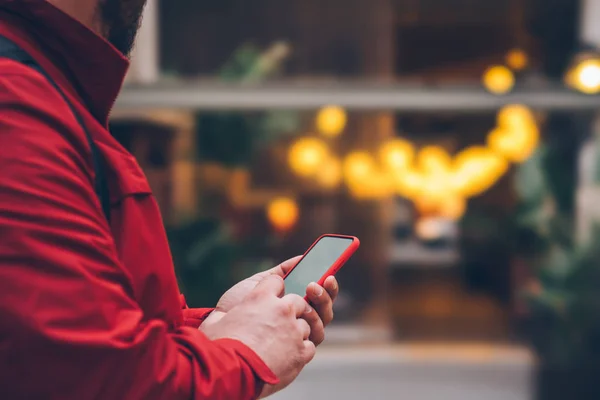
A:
318	289
308	309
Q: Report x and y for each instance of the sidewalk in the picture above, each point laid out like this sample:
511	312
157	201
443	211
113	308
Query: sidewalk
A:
415	371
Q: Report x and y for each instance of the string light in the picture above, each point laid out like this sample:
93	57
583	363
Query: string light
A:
330	174
498	79
397	155
433	160
517	59
283	213
585	76
358	167
476	169
306	156
331	121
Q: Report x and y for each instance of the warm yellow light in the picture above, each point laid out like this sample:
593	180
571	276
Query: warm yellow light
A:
476	169
515	116
433	160
307	155
453	207
331	121
358	167
377	186
409	183
516	145
498	79
585	76
330	174
397	155
517	134
426	206
517	59
435	187
283	213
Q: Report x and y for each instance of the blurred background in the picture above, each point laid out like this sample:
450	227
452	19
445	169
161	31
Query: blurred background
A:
458	139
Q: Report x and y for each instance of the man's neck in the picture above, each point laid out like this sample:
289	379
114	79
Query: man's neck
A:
85	11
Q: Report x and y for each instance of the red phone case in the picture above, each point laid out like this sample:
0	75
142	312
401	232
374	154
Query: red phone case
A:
339	263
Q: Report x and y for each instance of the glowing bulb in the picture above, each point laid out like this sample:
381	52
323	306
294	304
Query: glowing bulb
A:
517	145
307	155
585	77
283	213
476	170
517	59
435	187
408	184
514	116
433	160
498	79
330	174
397	155
331	121
358	167
377	186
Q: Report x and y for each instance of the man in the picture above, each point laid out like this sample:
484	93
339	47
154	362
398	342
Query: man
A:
89	304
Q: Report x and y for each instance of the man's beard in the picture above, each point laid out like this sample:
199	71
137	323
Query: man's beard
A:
122	19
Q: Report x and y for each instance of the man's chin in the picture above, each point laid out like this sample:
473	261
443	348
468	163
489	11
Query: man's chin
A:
122	20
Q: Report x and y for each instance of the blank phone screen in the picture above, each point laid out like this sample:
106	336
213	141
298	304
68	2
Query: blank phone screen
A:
315	263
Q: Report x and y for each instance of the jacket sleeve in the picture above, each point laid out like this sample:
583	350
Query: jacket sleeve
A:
193	317
69	325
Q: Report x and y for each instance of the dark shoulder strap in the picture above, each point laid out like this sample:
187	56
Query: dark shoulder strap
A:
10	50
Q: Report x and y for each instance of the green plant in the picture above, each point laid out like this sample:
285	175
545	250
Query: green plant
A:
232	138
564	300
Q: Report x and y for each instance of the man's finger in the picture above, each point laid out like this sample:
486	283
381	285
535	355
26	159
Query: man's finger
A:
297	303
304	328
317	329
322	302
332	287
284	267
309	351
271	284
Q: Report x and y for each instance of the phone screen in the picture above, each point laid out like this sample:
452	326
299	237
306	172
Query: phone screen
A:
315	263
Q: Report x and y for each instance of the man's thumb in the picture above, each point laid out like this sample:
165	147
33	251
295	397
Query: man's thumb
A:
271	284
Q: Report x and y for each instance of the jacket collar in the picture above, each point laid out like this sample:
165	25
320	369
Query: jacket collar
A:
93	67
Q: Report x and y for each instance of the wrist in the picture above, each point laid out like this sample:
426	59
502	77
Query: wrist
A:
211	319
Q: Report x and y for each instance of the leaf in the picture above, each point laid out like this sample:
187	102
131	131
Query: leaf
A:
558	265
277	125
529	179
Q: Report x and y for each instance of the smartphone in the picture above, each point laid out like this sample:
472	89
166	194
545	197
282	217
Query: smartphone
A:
324	258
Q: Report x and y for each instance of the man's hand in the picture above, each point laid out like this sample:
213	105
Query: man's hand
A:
320	298
271	326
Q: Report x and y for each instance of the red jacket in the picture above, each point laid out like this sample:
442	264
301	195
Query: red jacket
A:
88	310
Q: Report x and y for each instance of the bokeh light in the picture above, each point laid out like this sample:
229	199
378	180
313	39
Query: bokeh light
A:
358	167
517	59
397	155
330	174
306	155
498	79
283	213
331	121
475	170
433	160
585	76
